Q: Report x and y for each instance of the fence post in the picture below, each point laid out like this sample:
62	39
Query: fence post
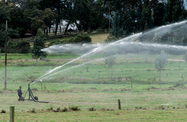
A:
11	113
119	104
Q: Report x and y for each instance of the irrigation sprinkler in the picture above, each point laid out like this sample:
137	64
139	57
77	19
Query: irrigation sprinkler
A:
32	97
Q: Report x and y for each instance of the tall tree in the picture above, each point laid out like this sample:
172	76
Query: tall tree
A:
158	15
37	18
39	43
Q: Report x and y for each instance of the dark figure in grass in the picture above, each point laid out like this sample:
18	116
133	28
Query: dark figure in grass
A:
20	94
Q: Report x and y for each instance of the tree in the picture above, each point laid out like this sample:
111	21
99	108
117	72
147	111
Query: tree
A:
116	26
39	43
146	19
185	56
48	17
159	14
110	60
160	63
4	12
38	18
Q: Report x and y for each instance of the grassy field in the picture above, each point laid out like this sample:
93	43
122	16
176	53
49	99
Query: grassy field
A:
155	104
106	116
88	84
163	100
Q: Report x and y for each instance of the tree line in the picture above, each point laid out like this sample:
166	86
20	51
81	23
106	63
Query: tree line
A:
124	17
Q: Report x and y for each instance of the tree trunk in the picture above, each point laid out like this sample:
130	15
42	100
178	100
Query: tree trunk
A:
67	26
78	27
89	27
47	32
56	29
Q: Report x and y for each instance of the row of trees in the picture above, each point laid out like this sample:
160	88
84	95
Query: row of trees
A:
138	15
124	17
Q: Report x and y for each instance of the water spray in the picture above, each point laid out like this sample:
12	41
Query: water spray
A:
130	43
38	79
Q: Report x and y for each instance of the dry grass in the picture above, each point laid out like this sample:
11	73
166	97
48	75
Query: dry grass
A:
99	38
104	99
173	115
137	105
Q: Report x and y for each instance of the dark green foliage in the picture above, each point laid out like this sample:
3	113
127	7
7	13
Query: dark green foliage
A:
10	33
38	45
117	30
2	38
111	39
80	38
146	19
159	14
174	11
56	42
128	22
24	46
4	12
126	17
11	44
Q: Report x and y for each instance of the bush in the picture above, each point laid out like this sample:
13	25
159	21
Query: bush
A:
80	38
24	46
11	44
111	39
57	42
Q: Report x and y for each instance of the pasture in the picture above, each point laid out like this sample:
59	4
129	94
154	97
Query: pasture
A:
93	87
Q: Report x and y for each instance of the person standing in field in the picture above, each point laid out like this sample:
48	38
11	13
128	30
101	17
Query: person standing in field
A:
19	93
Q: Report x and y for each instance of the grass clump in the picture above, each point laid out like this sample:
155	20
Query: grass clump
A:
64	109
57	110
33	110
74	108
34	89
50	109
92	109
3	111
104	109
